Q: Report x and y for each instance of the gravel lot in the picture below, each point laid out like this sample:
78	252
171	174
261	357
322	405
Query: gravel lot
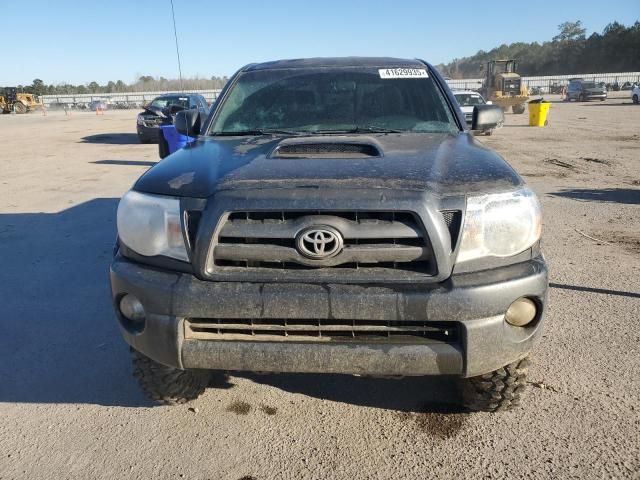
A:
69	407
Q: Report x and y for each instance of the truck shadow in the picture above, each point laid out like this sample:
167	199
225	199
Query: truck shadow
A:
112	139
601	291
59	339
630	196
409	394
129	163
627	103
426	404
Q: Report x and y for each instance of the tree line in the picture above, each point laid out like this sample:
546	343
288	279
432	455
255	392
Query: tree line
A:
144	83
616	49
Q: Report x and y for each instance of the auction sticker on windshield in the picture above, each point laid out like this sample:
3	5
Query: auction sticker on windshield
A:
403	73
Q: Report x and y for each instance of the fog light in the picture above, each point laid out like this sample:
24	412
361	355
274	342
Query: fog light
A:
131	308
521	312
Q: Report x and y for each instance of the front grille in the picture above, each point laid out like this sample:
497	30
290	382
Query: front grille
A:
511	86
384	241
152	121
320	330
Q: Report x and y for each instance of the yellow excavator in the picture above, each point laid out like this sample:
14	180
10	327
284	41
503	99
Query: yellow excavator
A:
12	101
504	87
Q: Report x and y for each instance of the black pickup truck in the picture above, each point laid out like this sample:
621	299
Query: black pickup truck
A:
334	215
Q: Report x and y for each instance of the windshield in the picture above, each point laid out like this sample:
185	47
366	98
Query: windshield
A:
469	99
334	100
163	102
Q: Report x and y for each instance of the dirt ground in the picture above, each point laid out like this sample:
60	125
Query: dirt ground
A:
69	407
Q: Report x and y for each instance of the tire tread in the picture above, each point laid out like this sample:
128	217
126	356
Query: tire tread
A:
498	390
167	385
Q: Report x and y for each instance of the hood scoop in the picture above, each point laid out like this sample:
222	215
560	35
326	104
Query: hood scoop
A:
326	150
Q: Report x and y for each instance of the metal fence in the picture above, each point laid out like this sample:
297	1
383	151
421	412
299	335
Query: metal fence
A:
129	98
544	83
139	98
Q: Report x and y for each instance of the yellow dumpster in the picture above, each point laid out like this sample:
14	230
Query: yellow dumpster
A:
538	111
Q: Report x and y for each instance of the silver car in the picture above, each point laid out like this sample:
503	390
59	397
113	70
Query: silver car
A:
467	99
583	90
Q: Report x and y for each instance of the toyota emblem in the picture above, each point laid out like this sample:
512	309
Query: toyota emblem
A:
319	243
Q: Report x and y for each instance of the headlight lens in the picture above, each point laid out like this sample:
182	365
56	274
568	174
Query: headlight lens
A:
140	120
500	225
150	225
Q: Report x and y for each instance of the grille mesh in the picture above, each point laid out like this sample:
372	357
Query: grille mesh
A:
371	240
327	149
453	218
319	330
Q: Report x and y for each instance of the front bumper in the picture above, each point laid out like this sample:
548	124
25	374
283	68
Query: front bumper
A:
475	301
151	134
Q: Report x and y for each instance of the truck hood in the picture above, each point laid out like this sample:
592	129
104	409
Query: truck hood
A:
445	164
153	111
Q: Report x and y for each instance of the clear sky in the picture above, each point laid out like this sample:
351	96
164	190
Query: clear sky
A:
82	41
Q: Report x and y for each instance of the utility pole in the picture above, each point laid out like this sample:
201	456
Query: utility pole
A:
175	34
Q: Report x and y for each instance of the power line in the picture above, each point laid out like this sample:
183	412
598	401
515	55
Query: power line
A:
175	34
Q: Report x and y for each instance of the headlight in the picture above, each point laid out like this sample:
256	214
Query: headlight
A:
140	120
500	225
150	225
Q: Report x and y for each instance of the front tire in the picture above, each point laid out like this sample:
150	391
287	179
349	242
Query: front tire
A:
167	385
498	390
581	98
19	107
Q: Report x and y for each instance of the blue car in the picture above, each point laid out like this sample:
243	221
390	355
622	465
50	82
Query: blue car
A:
161	111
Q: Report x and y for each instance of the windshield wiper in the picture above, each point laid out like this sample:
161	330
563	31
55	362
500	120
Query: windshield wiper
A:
264	131
276	131
376	129
359	129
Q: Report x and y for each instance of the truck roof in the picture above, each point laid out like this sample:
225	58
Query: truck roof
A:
465	92
336	62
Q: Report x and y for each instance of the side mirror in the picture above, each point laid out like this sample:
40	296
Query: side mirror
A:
489	102
187	123
486	117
